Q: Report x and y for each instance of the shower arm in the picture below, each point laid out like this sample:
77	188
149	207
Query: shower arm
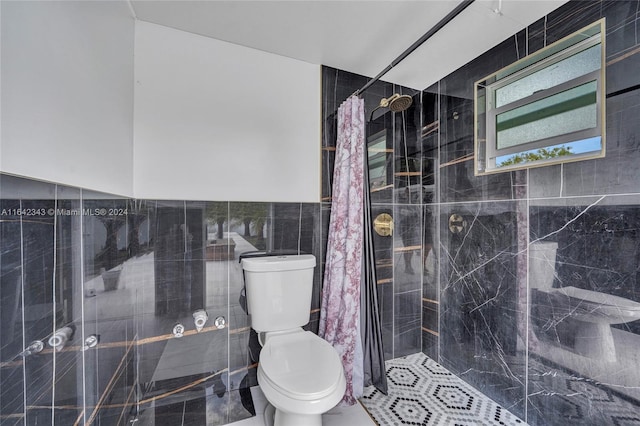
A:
437	27
384	103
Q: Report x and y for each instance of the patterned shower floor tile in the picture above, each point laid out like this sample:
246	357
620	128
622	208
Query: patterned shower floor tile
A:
422	392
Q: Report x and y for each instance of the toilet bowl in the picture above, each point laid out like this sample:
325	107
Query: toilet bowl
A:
588	313
301	375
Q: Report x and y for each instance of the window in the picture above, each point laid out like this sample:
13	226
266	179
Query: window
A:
378	152
545	108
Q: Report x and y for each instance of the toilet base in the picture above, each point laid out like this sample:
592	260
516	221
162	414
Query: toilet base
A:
269	414
275	417
291	419
594	340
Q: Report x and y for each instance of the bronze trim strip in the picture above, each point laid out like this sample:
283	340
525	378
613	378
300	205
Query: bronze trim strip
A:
110	385
407	248
126	405
624	56
458	160
407	174
435	333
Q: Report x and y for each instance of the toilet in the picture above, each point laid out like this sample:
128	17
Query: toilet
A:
588	313
300	374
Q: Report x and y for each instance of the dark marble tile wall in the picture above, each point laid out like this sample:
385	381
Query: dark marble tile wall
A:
478	309
126	272
39	291
511	247
430	133
398	192
592	245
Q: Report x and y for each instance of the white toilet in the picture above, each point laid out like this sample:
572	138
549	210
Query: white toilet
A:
591	312
300	374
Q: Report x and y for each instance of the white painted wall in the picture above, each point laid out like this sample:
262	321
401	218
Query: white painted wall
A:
213	120
67	92
218	121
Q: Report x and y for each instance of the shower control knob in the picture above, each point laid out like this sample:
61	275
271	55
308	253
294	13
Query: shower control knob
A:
34	347
178	330
457	223
91	342
200	318
60	338
220	322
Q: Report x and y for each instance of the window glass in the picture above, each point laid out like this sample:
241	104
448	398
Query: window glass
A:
545	108
565	112
378	162
565	70
583	146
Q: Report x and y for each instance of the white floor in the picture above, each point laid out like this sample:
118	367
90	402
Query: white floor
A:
355	415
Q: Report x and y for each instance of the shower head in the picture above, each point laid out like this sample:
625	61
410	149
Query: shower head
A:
396	103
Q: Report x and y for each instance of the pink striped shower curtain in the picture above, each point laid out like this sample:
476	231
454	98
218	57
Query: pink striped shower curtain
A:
340	309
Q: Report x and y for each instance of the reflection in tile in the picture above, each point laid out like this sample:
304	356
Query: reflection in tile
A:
146	266
407	247
479	319
546	182
12	409
407	152
175	269
108	305
592	249
407	327
243	347
617	172
561	396
192	354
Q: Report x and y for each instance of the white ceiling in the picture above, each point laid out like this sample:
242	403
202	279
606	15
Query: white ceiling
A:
359	36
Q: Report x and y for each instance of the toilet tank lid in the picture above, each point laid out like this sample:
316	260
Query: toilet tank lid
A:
279	263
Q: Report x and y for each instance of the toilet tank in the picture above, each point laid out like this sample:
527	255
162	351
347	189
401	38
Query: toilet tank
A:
279	291
542	264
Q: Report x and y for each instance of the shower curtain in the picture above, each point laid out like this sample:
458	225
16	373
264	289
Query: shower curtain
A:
350	279
340	308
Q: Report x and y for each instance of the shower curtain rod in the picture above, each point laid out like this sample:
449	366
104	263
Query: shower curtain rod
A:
437	27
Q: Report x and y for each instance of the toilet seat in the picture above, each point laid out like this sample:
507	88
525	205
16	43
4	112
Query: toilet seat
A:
300	365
